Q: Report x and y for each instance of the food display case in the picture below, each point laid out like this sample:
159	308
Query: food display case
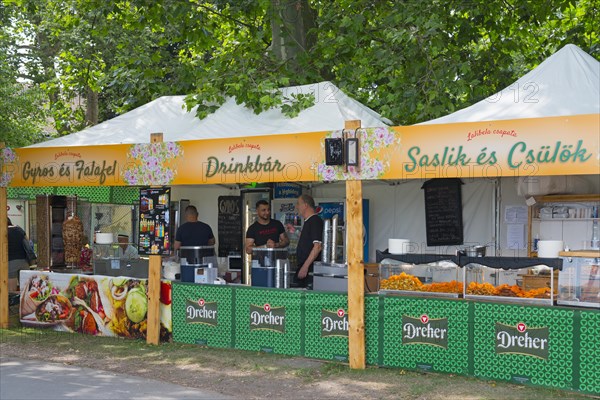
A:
579	281
530	280
109	260
530	284
437	279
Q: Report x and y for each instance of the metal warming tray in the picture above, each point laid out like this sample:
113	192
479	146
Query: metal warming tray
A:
511	285
330	277
436	279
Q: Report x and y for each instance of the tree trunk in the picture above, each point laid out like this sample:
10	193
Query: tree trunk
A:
291	21
91	112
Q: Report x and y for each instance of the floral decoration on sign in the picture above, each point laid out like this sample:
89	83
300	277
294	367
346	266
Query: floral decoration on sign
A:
376	148
7	156
152	163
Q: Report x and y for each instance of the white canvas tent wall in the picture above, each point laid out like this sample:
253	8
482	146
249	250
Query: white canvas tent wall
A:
567	83
168	115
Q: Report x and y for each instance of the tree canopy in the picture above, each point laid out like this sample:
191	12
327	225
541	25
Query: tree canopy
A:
74	63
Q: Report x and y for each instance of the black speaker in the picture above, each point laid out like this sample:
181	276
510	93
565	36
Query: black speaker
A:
334	151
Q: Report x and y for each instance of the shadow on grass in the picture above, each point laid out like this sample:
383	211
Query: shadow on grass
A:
178	362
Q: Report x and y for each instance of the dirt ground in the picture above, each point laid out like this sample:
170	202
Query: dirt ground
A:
250	375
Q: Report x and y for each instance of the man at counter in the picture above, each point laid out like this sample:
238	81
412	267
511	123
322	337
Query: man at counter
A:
193	232
126	250
311	238
265	231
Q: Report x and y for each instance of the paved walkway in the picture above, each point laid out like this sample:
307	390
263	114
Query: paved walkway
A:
22	379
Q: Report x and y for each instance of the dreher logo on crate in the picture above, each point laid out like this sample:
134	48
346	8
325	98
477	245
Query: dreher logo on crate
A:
201	312
521	339
424	330
334	323
267	318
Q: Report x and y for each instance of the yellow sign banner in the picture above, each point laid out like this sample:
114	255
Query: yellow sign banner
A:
525	147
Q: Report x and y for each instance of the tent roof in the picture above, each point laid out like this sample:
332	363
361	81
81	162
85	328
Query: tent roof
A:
566	83
167	114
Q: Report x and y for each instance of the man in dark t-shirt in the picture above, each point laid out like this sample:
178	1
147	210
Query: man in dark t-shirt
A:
310	242
17	256
193	232
265	231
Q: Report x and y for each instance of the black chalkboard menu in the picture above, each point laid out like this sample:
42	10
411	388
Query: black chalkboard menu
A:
230	225
154	221
443	211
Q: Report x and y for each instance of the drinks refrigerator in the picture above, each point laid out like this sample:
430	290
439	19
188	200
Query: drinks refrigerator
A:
249	199
331	272
177	217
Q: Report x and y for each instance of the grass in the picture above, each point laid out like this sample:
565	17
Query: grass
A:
181	363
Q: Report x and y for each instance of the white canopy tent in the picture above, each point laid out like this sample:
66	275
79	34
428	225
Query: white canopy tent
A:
168	115
566	83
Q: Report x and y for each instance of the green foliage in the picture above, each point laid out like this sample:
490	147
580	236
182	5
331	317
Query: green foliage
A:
22	113
416	61
410	61
22	110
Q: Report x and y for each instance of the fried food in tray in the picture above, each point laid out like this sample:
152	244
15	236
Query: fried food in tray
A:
403	281
481	289
509	291
444	287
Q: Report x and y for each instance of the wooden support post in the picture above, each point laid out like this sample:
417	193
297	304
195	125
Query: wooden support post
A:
3	255
356	278
153	321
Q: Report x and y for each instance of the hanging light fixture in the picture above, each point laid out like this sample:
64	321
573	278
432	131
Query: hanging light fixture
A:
352	151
